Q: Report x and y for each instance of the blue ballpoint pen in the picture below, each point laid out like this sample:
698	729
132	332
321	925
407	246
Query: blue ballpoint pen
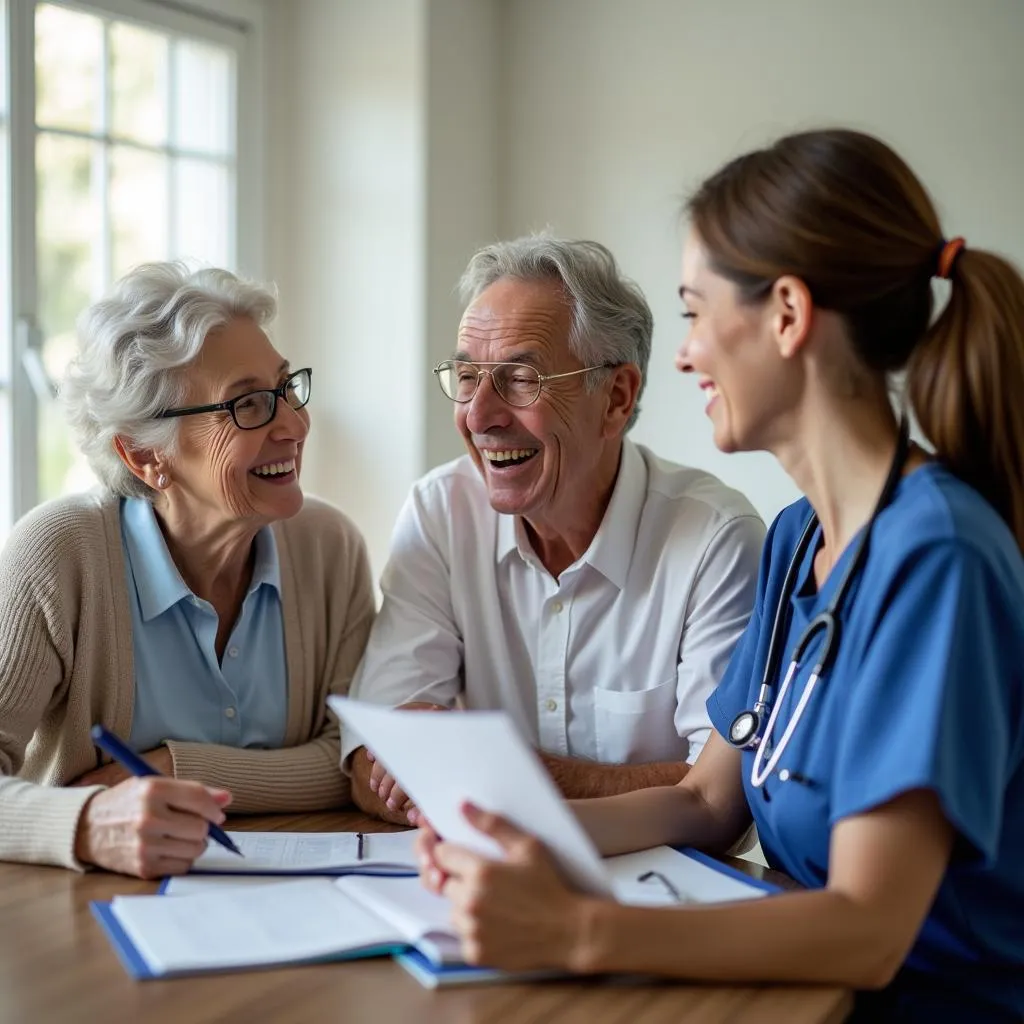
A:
127	758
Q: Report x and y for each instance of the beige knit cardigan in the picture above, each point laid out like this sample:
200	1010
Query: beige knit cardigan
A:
66	663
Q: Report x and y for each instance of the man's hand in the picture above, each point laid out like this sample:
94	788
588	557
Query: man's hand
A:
113	773
149	827
375	791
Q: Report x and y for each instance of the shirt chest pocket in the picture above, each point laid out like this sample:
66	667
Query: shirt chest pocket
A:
633	727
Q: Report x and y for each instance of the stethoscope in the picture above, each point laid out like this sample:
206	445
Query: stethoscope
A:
749	730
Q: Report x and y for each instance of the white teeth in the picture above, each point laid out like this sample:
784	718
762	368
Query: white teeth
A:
511	453
275	468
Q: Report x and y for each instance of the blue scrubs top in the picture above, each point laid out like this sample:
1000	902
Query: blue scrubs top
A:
926	691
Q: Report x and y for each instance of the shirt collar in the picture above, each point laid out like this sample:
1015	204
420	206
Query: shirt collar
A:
157	579
611	550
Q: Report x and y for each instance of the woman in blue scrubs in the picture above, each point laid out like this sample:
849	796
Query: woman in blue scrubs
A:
888	775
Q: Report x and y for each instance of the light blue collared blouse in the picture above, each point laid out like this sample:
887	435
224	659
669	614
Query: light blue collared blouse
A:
181	691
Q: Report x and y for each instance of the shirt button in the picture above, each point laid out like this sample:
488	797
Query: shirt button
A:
556	607
551	704
232	652
229	712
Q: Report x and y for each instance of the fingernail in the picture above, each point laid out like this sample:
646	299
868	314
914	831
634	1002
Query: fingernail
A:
413	818
392	804
374	783
435	878
370	757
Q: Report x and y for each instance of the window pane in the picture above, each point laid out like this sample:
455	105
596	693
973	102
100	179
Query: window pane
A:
6	421
138	208
5	270
203	202
70	275
203	97
6	466
138	84
68	228
69	52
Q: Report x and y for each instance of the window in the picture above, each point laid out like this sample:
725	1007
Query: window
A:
125	138
6	420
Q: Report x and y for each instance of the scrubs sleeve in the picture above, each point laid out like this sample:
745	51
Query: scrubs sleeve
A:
743	672
930	701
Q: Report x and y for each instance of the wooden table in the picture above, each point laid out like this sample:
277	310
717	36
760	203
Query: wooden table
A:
57	965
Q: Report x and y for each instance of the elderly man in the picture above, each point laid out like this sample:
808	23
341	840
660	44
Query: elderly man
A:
558	571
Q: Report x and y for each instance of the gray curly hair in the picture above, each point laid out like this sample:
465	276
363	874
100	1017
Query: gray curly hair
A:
135	347
611	321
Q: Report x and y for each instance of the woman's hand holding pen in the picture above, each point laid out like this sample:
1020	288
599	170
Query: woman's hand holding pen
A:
149	827
515	914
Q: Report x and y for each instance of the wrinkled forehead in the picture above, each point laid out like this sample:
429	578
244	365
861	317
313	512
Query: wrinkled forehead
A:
513	316
236	357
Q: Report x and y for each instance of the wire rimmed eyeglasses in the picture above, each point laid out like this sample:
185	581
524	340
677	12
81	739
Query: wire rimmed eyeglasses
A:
256	408
519	384
670	888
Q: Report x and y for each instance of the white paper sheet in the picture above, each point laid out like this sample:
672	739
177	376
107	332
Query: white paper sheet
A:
693	881
289	921
307	852
443	760
415	911
190	885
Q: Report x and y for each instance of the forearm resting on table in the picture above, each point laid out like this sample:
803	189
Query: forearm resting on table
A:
885	867
580	780
820	936
303	778
670	815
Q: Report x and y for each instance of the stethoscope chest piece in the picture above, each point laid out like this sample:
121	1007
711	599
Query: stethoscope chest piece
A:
745	731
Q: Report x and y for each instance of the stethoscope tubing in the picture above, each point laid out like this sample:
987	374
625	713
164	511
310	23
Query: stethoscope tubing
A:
828	621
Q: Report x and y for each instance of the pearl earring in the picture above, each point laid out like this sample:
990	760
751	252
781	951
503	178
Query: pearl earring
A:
161	481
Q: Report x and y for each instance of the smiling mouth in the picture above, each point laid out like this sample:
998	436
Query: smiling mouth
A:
274	470
507	457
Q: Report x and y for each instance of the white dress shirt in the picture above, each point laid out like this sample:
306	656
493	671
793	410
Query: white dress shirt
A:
613	660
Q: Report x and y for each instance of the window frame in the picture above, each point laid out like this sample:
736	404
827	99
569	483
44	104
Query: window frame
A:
236	24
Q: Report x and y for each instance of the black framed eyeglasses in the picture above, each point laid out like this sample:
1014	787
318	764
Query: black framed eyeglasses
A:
519	384
256	408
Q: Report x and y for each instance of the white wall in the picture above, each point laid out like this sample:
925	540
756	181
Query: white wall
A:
616	108
345	240
405	133
381	178
463	181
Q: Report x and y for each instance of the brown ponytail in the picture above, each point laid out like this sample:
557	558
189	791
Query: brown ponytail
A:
965	381
841	211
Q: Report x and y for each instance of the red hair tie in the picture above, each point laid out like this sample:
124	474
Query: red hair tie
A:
948	255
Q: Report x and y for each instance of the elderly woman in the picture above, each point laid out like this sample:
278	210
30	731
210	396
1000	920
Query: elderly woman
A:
195	604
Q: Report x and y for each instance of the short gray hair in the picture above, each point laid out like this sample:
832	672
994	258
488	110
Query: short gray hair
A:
611	321
135	347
